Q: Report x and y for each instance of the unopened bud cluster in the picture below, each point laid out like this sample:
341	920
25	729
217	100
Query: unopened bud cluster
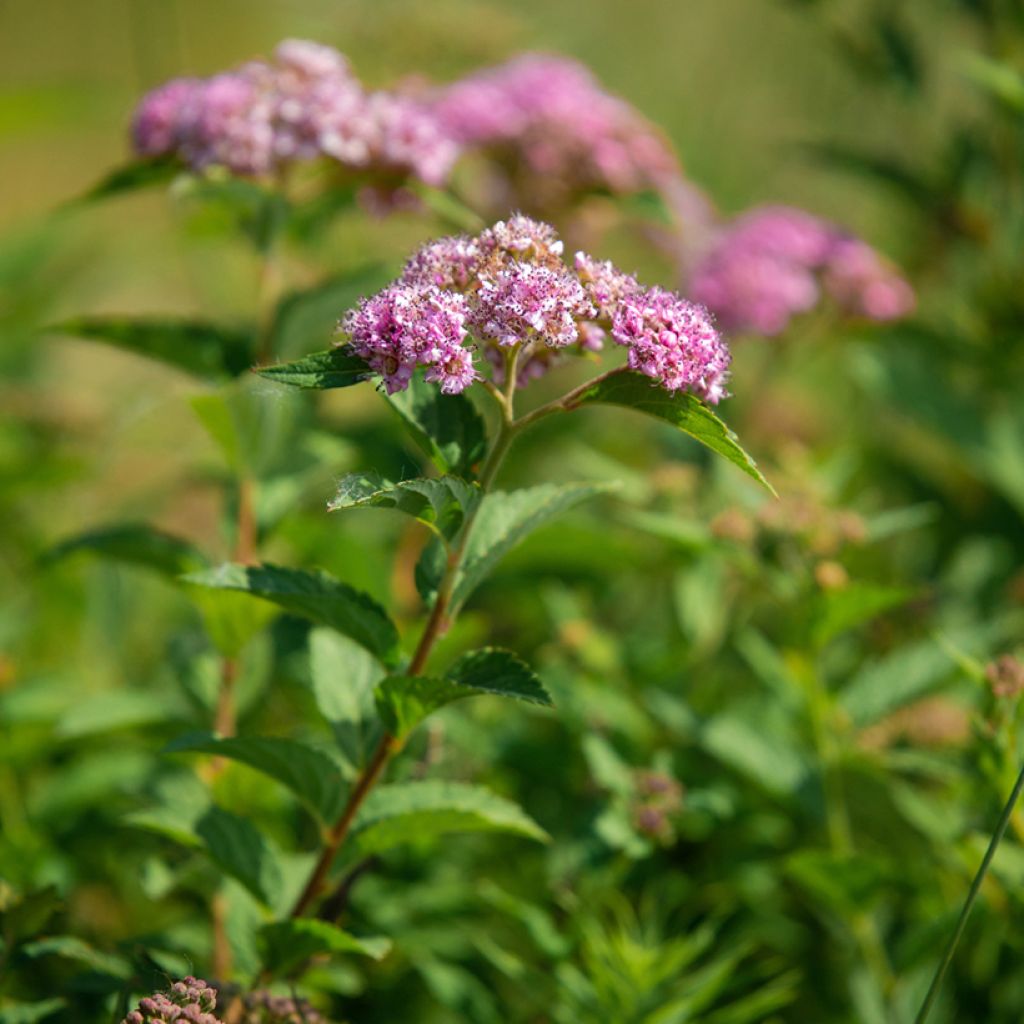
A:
190	1001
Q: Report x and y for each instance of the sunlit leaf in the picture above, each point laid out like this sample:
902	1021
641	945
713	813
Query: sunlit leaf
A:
682	410
442	504
410	812
334	368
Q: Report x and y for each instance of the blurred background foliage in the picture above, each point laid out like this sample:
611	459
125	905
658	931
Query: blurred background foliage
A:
777	752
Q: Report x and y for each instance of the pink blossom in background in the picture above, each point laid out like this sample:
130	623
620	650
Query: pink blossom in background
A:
563	130
772	263
301	105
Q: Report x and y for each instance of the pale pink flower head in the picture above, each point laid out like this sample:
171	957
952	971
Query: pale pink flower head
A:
408	325
525	302
674	342
606	286
190	1001
450	262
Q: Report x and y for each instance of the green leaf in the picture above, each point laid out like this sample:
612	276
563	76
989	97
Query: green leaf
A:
492	670
134	544
412	811
682	410
287	945
505	518
999	78
343	677
335	368
852	606
132	177
70	947
446	427
206	350
27	915
313	595
403	702
310	774
451	210
440	504
239	849
29	1013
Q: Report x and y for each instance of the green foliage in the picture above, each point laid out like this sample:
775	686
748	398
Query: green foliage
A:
335	368
312	775
313	595
288	945
682	410
446	427
209	351
403	702
503	520
131	177
411	812
134	544
440	504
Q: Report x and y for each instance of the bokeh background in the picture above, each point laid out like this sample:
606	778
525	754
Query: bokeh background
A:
812	676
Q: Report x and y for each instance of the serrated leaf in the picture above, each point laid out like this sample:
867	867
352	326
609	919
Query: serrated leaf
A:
134	544
206	350
492	670
506	518
335	368
404	701
131	177
343	676
239	849
446	427
312	594
684	411
441	504
288	945
310	774
412	811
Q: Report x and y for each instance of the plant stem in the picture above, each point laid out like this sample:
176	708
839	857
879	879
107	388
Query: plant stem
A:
390	745
972	895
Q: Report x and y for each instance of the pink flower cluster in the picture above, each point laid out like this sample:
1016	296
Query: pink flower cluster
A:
772	263
507	291
303	104
549	117
190	1001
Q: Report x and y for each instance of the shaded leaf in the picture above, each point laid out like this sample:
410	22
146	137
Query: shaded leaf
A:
492	670
446	427
412	811
70	947
506	518
343	676
682	410
309	773
288	945
239	849
440	504
334	368
206	350
314	595
134	544
29	1013
131	177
